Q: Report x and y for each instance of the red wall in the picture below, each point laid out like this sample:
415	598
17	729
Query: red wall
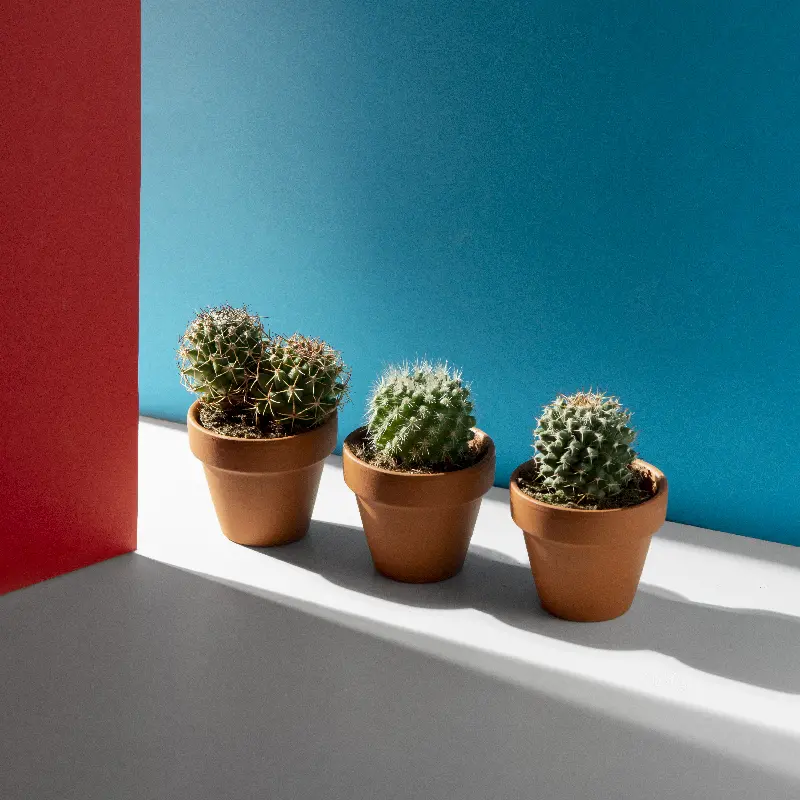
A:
69	248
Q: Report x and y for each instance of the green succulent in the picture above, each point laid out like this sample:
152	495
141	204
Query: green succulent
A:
299	382
219	353
583	446
420	414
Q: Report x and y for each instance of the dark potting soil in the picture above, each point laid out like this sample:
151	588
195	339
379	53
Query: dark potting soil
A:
364	451
242	424
641	487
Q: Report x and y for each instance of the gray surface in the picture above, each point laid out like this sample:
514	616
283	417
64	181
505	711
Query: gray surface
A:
133	679
747	645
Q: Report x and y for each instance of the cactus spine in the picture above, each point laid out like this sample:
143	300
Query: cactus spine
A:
583	446
420	414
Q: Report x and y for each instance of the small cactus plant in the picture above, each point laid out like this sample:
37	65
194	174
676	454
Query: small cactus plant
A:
299	382
219	353
583	447
420	414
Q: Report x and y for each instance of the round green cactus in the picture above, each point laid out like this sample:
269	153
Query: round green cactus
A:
583	446
420	414
219	352
299	382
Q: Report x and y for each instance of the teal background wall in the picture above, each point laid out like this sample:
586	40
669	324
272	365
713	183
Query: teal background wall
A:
551	195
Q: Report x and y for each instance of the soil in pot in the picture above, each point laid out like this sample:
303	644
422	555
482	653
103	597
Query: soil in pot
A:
587	562
418	524
240	423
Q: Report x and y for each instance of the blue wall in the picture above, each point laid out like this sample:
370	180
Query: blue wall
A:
552	195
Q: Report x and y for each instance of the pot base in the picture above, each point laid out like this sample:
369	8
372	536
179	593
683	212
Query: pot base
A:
585	583
415	545
264	510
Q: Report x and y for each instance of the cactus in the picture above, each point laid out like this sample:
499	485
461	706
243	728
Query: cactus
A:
420	415
299	382
219	352
583	447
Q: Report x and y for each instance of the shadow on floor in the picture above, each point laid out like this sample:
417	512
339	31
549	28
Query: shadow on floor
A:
760	648
135	680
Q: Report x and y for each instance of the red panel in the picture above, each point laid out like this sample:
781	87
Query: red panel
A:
69	234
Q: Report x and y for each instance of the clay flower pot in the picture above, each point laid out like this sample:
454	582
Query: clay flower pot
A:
587	564
263	489
418	526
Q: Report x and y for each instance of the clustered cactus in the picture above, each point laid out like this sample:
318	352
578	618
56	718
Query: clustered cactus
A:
583	447
420	414
234	366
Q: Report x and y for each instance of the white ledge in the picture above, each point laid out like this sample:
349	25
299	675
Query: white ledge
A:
709	653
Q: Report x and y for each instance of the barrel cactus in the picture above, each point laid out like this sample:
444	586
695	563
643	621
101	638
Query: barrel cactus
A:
299	382
420	414
583	447
219	353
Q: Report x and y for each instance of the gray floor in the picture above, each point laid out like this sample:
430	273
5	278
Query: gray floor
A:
132	679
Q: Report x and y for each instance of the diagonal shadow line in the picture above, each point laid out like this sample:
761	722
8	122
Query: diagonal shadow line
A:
757	647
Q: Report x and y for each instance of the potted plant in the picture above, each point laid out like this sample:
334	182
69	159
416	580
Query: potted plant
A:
588	508
419	470
264	420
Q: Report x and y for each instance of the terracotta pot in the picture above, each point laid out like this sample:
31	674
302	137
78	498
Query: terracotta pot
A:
587	564
418	527
263	489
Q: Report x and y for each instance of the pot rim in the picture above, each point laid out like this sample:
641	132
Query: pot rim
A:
281	454
657	474
480	463
417	490
194	420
